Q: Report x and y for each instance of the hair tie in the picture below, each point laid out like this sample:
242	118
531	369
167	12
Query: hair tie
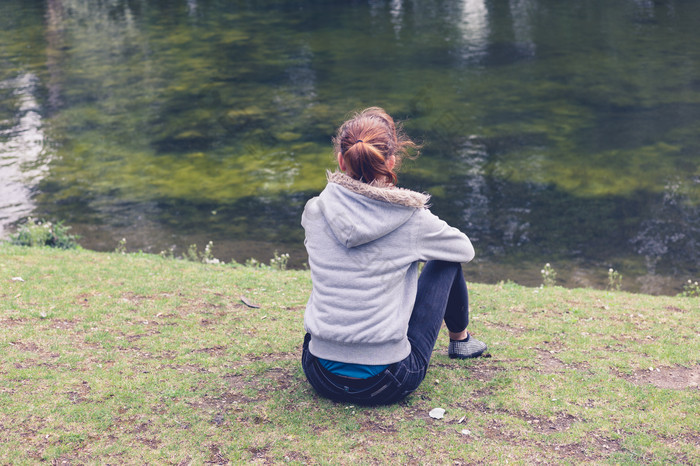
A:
359	140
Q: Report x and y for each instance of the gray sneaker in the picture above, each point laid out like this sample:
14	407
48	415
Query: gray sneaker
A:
469	348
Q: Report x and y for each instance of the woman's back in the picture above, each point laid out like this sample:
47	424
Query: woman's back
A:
364	238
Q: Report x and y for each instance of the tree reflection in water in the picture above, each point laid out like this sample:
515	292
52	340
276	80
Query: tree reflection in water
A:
554	131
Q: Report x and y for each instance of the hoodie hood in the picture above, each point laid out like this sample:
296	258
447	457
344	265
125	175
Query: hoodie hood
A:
359	213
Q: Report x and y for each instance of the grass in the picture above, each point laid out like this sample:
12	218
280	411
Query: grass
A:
135	359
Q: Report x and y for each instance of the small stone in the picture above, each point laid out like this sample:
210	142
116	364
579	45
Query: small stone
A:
437	413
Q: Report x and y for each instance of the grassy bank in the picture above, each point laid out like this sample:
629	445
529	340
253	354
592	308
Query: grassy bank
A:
112	358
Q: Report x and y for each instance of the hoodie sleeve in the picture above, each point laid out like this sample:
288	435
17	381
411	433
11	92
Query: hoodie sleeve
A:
436	240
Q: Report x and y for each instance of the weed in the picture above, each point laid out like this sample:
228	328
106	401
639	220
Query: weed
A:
168	253
614	280
549	275
206	257
253	263
121	246
279	261
192	253
691	289
41	233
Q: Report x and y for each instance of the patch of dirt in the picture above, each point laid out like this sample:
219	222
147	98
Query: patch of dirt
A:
215	455
31	347
79	395
63	324
380	424
605	444
153	443
675	377
265	384
484	372
32	363
258	453
555	346
291	356
221	402
481	372
190	368
597	448
515	331
63	461
572	450
12	322
294	308
133	298
483	392
218	350
557	423
624	337
418	411
495	430
235	381
185	462
137	336
297	457
25	346
83	299
140	428
687	438
548	364
676	309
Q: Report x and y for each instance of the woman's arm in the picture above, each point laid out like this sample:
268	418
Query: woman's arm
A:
436	240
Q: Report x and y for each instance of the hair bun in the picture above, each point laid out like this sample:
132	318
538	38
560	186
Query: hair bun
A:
385	139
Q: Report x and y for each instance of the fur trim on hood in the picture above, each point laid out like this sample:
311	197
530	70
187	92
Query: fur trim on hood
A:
380	191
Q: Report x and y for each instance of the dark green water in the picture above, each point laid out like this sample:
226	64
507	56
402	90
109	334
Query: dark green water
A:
560	132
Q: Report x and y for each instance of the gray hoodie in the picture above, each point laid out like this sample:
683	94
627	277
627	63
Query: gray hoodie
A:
364	243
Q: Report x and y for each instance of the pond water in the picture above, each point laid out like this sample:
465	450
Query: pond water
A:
559	132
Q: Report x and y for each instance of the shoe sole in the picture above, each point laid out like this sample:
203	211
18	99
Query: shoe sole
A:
473	355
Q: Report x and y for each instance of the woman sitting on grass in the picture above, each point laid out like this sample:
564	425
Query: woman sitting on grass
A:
372	322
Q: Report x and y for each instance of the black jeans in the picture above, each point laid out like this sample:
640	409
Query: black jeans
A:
442	295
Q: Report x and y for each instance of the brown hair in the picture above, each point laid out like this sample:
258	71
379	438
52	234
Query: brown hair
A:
366	142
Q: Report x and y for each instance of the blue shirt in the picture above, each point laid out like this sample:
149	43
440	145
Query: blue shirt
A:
358	371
